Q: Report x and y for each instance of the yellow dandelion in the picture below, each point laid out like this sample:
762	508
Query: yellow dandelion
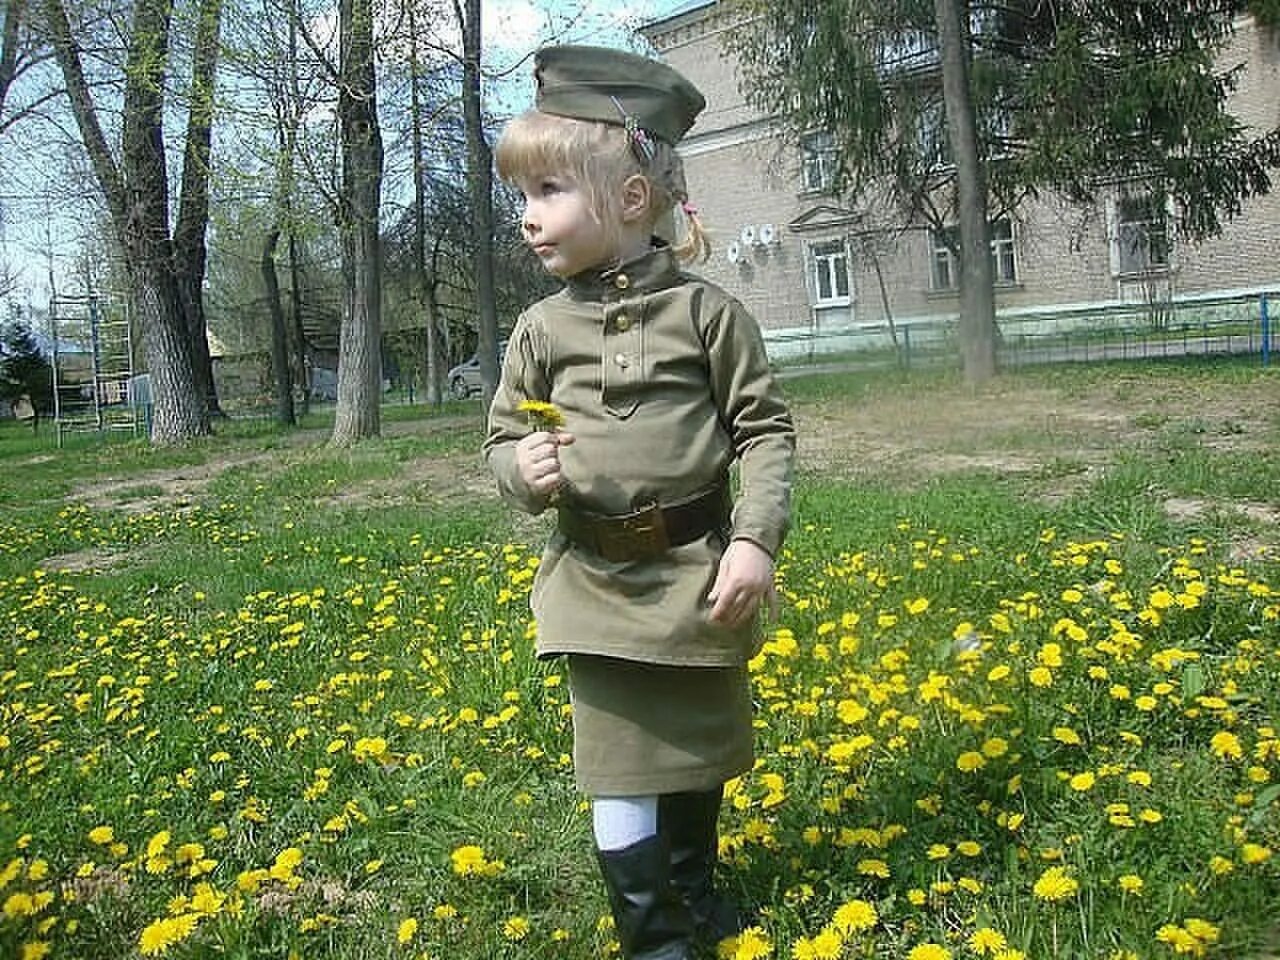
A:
1131	883
855	916
1082	782
515	928
542	415
1055	884
1253	853
1226	746
1066	735
929	951
827	945
159	936
985	940
406	931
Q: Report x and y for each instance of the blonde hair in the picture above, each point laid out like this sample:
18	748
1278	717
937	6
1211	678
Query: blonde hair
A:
599	158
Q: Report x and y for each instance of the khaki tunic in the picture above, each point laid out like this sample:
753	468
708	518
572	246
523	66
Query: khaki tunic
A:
664	382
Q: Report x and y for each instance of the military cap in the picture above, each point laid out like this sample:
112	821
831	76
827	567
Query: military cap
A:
614	86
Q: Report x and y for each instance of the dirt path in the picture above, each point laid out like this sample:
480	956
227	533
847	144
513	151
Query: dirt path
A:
1013	427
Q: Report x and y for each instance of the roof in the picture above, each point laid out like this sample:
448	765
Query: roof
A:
680	11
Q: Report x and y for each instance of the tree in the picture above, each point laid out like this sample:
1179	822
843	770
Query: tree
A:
24	369
190	253
136	190
359	363
480	181
1068	96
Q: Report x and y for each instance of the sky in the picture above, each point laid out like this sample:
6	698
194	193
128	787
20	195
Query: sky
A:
512	29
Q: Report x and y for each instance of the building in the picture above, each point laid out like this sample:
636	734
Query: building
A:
820	276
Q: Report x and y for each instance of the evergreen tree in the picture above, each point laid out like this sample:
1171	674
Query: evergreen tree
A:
1073	97
24	369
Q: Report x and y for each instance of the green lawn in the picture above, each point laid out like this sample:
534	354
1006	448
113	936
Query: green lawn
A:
264	698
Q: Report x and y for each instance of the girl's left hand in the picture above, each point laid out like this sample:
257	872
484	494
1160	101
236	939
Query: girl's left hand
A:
743	582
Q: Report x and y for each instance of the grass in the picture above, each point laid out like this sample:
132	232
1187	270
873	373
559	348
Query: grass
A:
287	706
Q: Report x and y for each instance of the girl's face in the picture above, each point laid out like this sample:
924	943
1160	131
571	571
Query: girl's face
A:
561	228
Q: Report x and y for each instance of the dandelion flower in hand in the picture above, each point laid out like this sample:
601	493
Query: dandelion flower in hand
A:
542	415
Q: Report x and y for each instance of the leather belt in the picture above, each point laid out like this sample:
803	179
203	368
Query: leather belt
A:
650	531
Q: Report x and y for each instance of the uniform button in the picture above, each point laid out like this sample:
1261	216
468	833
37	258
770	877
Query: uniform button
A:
622	324
622	281
621	360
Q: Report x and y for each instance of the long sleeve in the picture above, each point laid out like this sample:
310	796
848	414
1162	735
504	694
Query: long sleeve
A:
522	379
758	422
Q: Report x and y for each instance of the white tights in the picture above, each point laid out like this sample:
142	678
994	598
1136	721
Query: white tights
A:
619	822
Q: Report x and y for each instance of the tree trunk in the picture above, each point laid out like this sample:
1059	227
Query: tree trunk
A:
433	376
480	182
137	196
190	253
280	372
359	347
13	13
977	297
299	339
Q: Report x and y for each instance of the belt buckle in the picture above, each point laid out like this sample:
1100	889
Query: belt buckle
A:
636	535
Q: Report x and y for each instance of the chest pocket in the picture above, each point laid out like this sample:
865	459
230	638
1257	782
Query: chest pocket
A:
622	360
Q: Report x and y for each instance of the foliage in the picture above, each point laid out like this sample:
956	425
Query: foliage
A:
1267	12
1071	95
24	369
267	719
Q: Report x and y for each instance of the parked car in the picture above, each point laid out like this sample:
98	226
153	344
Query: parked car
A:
464	379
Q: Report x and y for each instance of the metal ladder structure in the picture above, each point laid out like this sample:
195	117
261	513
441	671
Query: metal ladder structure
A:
93	379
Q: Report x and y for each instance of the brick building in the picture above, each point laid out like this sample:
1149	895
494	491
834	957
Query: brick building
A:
820	276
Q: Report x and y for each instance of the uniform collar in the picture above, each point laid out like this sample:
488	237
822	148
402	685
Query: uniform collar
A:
655	270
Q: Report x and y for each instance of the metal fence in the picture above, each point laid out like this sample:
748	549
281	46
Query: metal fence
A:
1208	326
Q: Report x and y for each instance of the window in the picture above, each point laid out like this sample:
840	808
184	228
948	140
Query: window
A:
817	161
1004	268
830	273
942	262
1141	242
932	139
944	270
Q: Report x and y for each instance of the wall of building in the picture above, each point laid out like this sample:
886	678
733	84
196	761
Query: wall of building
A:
741	173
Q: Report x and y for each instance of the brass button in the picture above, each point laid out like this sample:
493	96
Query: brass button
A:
621	360
622	324
622	281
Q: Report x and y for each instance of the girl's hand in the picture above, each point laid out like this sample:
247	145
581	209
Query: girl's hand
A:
743	582
538	459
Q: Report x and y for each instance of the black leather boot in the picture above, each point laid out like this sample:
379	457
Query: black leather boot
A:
651	920
687	821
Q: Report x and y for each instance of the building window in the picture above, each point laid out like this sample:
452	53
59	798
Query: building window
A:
1004	267
942	262
830	274
944	271
932	139
1141	242
817	161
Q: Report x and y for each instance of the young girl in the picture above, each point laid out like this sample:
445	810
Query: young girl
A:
624	400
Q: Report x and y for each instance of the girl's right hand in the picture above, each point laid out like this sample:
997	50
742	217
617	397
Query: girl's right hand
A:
538	459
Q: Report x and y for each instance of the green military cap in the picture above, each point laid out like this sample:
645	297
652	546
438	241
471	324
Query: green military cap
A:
614	86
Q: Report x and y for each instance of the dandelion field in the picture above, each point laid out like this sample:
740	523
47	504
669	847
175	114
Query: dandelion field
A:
264	699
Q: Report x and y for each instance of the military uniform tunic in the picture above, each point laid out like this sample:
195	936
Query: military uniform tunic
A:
663	380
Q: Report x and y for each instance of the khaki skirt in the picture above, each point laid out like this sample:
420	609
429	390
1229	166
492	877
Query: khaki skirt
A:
641	729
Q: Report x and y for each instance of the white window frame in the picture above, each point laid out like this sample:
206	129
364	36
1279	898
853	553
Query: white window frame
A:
829	270
817	161
1004	258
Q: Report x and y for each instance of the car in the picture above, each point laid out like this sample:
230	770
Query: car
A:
464	380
